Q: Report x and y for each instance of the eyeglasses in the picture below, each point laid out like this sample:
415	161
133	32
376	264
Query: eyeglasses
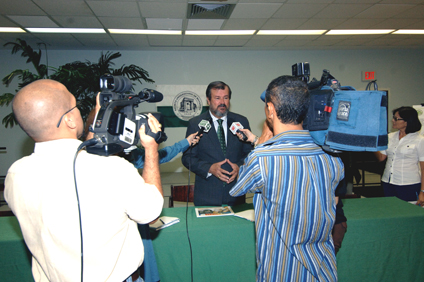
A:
68	111
396	118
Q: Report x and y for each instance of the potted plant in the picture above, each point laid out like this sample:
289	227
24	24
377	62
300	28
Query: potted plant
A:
81	78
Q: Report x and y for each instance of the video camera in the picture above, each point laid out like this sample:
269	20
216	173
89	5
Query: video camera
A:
303	71
336	114
116	125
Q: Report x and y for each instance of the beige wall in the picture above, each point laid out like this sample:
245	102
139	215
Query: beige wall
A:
247	72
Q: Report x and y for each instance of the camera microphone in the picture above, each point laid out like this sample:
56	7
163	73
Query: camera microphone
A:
150	95
235	128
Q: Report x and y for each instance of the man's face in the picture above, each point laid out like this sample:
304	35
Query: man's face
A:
219	104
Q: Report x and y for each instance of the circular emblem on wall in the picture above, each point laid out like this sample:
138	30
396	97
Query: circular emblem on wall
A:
186	105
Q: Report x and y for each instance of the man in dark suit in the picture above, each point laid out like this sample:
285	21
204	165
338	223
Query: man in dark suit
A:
216	164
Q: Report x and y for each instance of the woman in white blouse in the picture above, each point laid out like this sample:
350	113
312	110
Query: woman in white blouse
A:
403	176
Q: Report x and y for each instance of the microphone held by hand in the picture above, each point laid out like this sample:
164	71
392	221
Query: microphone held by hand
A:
204	126
235	128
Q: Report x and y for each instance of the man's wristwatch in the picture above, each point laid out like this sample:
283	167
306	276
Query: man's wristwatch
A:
254	141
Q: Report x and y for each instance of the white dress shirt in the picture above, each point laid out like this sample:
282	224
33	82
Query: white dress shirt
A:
403	157
113	197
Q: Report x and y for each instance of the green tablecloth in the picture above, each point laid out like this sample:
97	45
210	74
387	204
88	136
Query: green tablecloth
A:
223	248
384	242
15	259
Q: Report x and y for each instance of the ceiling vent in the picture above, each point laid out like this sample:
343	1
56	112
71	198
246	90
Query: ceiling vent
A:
209	11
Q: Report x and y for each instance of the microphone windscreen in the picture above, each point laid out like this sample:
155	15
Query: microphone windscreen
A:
235	126
204	125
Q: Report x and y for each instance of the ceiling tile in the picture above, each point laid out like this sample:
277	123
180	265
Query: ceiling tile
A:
174	24
20	7
328	23
5	22
64	7
124	23
195	24
230	42
417	25
298	11
309	1
254	11
383	11
358	23
114	9
283	23
395	23
240	24
356	1
33	21
163	10
342	11
78	22
417	12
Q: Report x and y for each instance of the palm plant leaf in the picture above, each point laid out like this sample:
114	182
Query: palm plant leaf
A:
81	78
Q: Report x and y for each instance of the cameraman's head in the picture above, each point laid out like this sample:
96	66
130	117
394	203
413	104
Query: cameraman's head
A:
46	111
290	98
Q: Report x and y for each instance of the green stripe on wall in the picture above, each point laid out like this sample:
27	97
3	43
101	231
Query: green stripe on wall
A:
170	119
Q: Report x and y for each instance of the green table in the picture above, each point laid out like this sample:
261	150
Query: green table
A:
384	242
223	248
15	259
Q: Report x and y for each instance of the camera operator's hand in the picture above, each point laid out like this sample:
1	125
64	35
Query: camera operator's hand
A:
90	118
146	140
151	172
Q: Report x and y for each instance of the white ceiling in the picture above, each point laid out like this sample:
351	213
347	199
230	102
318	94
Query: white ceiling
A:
247	15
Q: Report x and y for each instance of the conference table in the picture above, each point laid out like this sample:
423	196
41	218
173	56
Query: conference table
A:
384	242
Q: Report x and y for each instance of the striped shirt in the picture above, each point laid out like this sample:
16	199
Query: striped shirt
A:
294	183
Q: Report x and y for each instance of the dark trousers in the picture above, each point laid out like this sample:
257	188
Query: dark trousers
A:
404	192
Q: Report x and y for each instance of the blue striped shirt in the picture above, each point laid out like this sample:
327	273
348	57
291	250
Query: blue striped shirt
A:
294	181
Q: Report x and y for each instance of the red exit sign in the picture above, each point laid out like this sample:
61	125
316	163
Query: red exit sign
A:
368	75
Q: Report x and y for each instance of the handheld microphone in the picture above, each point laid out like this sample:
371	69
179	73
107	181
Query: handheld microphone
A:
150	95
204	126
235	128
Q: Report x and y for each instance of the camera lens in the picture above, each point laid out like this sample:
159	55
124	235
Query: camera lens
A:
120	84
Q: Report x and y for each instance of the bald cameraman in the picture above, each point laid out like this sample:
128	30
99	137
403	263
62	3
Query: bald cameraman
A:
113	197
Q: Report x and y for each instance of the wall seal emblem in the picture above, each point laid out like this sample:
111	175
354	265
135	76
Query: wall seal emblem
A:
187	105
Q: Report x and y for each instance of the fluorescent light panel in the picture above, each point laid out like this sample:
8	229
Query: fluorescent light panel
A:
409	31
358	31
291	32
144	31
11	29
66	30
220	32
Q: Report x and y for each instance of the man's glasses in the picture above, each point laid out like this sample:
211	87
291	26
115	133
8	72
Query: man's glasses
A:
396	118
60	120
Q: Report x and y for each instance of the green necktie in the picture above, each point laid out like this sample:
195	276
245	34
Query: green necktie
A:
221	137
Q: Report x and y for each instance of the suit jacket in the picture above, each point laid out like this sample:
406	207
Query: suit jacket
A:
210	191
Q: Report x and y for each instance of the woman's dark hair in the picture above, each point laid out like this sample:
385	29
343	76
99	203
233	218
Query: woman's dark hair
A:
410	115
